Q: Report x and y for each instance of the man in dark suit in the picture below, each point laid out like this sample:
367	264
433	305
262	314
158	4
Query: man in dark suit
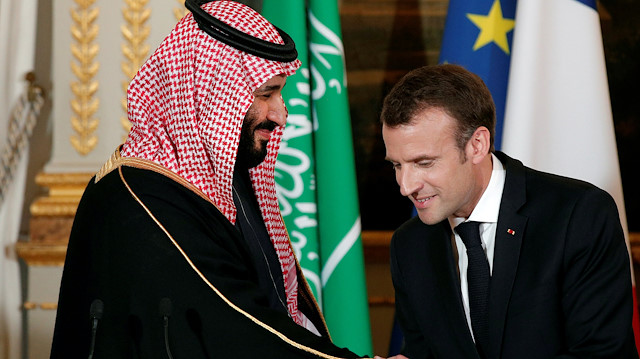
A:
548	275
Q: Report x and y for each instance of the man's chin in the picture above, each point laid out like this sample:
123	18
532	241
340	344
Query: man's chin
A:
260	147
428	218
256	156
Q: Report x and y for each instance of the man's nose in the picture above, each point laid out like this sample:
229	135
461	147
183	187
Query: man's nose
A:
408	181
278	112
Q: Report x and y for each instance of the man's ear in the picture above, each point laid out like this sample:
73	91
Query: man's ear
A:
479	145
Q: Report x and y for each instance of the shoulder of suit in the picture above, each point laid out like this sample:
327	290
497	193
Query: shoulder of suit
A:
116	161
414	226
536	178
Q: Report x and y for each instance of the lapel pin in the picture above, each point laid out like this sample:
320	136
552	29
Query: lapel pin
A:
511	231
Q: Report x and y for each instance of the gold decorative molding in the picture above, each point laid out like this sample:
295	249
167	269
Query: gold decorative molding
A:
52	218
54	181
55	206
36	254
43	306
179	13
48	306
135	50
84	50
65	190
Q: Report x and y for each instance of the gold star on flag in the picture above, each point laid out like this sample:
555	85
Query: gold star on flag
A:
493	28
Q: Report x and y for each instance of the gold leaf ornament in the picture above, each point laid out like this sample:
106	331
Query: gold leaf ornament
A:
84	68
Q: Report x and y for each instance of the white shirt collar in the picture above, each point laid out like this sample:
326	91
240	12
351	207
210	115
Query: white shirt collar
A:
488	207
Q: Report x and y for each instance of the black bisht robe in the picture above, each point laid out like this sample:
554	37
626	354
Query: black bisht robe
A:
118	253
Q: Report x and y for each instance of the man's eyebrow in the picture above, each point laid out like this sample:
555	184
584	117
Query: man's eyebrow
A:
416	159
423	158
271	88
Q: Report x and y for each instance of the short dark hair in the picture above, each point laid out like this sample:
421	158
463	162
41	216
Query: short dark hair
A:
460	93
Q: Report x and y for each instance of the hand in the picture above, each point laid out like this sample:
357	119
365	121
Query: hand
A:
399	356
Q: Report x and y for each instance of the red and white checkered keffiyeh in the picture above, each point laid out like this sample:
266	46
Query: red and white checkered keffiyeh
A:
187	104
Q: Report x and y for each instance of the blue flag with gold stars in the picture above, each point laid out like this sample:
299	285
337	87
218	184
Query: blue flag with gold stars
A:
478	35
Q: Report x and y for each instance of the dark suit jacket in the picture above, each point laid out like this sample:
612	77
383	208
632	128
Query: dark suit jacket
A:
560	285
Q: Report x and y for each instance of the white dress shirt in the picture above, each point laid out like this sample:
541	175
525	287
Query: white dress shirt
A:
485	212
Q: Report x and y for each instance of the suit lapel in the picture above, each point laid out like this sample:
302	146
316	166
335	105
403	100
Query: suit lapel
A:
509	236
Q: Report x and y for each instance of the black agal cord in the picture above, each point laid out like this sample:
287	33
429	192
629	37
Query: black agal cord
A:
241	41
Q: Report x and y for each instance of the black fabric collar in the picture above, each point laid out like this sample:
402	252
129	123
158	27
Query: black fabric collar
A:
250	223
240	40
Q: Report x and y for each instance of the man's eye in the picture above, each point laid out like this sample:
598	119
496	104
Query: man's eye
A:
424	164
396	166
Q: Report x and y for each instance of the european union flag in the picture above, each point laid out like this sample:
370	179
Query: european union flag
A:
478	35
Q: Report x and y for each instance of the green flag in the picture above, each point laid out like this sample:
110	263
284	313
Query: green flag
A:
344	289
332	257
295	168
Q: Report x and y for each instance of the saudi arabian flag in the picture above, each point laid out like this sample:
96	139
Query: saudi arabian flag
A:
295	168
326	236
344	289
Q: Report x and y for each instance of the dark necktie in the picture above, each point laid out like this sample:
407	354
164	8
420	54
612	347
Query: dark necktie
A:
478	278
